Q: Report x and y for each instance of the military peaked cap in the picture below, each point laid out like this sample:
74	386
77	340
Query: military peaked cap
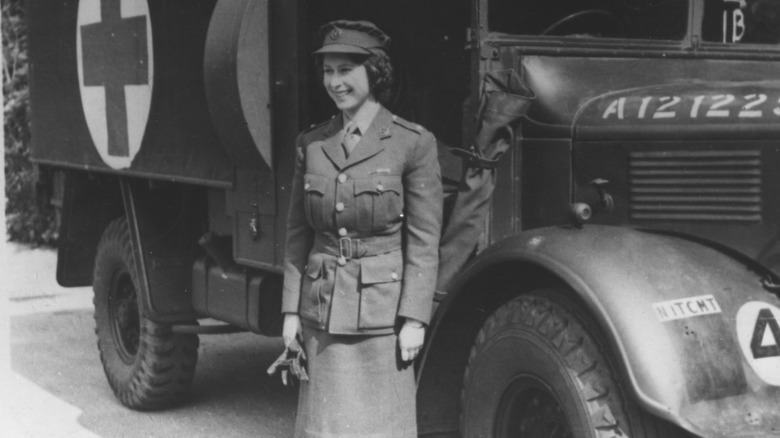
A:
344	36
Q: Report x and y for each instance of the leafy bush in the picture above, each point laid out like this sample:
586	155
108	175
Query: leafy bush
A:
24	221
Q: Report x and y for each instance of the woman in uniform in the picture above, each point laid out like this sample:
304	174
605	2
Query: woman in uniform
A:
362	247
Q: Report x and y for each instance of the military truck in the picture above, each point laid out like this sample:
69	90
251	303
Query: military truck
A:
622	272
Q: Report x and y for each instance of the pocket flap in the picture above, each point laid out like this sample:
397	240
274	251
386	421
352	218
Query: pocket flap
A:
388	183
379	184
384	268
315	183
314	268
364	185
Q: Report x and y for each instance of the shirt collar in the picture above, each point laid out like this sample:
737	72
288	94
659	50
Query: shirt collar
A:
364	116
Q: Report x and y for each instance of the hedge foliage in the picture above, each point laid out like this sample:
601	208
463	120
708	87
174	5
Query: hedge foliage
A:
24	221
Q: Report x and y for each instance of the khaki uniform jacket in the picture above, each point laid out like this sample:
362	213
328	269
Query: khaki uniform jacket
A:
387	190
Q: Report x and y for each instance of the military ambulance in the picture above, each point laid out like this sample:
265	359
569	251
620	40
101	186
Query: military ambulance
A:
614	258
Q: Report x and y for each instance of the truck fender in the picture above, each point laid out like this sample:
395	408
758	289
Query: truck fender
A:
682	319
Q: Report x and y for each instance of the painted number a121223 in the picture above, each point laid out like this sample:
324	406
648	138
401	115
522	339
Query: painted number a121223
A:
703	106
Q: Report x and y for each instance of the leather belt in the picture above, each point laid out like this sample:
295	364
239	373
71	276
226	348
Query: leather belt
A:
346	248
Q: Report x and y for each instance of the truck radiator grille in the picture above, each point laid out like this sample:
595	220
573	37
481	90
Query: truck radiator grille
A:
713	186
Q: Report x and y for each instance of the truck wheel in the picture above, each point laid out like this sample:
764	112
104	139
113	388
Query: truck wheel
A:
147	365
539	368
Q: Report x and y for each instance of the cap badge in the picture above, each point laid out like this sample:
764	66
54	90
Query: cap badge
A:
335	34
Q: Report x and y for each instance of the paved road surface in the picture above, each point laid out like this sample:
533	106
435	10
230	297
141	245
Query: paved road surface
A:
53	385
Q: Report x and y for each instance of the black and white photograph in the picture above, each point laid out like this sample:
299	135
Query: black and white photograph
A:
390	219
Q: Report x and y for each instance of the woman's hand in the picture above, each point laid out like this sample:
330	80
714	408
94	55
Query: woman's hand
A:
291	329
410	339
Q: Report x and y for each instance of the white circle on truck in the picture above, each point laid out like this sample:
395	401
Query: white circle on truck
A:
115	68
758	331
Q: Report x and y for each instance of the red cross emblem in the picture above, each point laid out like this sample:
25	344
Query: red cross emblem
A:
115	70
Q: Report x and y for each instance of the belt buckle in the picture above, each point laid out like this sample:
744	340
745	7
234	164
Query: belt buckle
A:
345	248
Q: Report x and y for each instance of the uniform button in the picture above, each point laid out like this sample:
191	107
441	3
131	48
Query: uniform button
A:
339	206
380	187
306	186
342	178
341	261
342	232
394	276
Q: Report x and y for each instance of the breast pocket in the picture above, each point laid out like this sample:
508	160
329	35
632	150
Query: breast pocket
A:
378	201
380	290
314	189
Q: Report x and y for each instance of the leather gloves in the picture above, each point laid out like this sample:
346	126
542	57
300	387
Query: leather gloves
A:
292	361
293	358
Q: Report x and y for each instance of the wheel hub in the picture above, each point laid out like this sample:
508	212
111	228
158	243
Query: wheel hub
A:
529	408
125	318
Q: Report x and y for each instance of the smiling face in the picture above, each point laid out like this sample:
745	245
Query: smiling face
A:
346	82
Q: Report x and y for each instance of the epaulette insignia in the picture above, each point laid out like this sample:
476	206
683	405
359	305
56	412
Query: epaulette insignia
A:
408	125
331	129
315	126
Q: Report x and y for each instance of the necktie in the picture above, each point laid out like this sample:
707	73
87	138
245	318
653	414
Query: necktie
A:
351	138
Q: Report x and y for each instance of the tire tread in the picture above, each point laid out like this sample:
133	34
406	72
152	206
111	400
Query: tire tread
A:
570	332
165	362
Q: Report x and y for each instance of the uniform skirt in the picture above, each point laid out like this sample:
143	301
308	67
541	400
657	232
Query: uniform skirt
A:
357	388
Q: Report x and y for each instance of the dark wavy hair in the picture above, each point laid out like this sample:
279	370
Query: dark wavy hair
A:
380	74
378	67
